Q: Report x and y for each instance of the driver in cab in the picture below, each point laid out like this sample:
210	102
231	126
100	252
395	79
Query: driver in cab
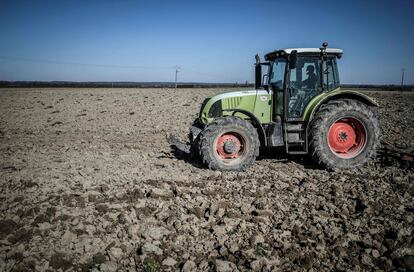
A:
312	80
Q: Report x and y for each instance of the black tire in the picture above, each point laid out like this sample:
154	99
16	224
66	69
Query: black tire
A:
360	117
223	127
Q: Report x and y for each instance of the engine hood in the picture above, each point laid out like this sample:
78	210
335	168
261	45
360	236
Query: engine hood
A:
232	94
215	106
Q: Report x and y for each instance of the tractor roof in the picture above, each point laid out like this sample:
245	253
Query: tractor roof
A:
288	51
313	50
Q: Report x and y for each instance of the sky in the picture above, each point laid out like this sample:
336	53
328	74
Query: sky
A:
211	41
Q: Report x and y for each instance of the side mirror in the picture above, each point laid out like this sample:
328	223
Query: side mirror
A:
257	59
292	59
258	75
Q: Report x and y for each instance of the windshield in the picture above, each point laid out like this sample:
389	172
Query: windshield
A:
277	76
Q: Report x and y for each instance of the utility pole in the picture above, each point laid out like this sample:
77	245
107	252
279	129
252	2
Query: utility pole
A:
177	69
402	77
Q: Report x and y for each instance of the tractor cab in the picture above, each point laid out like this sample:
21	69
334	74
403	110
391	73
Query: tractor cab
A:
296	76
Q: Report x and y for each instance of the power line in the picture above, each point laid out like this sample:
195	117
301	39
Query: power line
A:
209	74
84	64
59	62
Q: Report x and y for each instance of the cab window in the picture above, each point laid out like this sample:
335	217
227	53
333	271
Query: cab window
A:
277	80
330	75
277	77
304	84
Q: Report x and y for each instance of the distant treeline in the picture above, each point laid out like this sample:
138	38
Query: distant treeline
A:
94	84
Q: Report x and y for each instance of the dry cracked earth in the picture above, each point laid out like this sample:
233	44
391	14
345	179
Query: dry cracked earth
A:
88	181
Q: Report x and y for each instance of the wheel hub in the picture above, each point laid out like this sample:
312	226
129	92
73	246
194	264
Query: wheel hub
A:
343	137
346	137
229	146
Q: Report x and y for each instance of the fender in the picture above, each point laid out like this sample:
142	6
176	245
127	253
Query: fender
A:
324	98
256	123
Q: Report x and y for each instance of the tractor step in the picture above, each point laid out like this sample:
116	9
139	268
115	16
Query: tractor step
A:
298	153
294	127
296	138
296	142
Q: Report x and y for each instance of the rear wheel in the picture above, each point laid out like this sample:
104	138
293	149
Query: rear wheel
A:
229	143
344	134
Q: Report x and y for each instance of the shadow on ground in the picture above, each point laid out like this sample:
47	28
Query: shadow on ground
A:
182	151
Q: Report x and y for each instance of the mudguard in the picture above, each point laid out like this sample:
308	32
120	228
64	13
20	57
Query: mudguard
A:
324	98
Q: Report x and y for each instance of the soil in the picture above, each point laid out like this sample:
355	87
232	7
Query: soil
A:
89	180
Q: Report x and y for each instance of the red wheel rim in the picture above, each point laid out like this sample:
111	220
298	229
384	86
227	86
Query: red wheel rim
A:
347	137
230	146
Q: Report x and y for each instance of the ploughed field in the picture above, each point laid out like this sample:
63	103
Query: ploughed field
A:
88	181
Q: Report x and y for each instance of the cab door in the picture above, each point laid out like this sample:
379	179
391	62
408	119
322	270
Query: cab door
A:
302	86
277	84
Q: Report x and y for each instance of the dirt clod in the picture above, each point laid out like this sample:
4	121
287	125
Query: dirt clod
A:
6	227
103	180
60	261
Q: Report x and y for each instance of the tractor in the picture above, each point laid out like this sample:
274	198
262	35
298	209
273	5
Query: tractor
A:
297	105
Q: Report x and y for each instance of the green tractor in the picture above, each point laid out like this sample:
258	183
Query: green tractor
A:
297	105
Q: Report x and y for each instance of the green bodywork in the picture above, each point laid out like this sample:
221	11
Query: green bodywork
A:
338	93
260	104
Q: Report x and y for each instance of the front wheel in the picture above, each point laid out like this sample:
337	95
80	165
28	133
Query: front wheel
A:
229	143
344	134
